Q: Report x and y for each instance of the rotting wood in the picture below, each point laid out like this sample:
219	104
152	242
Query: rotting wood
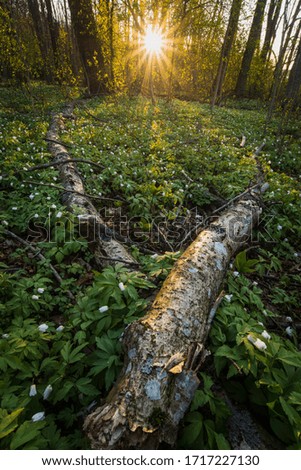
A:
74	198
164	349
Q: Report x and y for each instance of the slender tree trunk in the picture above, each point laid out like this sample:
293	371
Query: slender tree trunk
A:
52	27
270	32
285	40
34	10
252	43
226	50
89	45
294	80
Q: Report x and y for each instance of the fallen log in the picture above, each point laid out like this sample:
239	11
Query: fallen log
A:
164	349
74	198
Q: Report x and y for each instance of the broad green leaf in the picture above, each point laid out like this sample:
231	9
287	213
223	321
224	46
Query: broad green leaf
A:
26	433
293	416
8	423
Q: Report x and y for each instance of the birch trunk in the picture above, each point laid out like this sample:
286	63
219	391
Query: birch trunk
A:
91	224
164	349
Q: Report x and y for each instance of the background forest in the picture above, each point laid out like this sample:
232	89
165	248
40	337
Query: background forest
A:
169	111
211	49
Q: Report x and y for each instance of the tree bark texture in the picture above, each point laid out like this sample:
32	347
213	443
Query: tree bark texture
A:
164	349
252	43
89	45
294	79
271	27
90	222
33	6
226	50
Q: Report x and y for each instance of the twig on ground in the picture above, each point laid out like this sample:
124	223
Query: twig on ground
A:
87	196
116	260
37	253
68	146
62	162
243	141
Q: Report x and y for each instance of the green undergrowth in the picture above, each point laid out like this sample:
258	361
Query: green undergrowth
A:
163	170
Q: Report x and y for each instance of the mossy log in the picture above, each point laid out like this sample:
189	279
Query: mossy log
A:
164	349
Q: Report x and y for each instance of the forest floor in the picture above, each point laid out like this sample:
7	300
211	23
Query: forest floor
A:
157	174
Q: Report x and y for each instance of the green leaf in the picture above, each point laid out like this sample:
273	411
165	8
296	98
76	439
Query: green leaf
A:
26	433
295	398
291	358
222	443
66	350
226	351
8	423
63	391
293	416
75	354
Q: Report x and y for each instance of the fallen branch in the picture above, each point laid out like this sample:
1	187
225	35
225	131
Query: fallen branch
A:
40	256
243	141
74	197
62	162
164	350
67	146
60	188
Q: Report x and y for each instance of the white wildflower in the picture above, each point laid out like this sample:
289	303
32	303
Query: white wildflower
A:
43	327
41	290
59	215
257	343
35	297
31	196
53	206
279	227
60	328
5	336
228	297
47	392
36	216
14	208
289	331
121	286
33	390
289	319
266	335
4	222
103	309
235	273
38	416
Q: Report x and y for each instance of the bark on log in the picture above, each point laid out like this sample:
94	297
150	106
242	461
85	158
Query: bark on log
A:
164	349
90	221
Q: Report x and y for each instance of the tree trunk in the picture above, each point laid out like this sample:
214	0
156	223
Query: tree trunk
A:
285	40
91	225
164	349
34	10
270	32
52	27
252	43
294	80
226	50
89	45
